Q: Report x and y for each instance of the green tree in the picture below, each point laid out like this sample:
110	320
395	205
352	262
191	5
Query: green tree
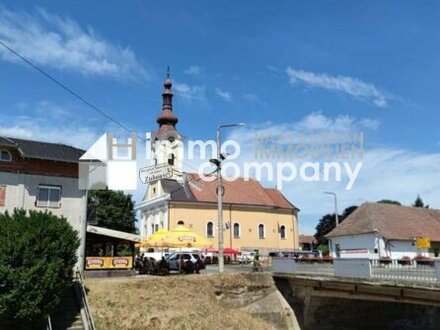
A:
419	203
111	209
328	222
388	201
37	256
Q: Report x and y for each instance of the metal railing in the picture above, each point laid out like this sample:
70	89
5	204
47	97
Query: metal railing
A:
402	270
86	313
410	270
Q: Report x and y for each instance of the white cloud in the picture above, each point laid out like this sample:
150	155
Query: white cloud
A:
254	99
193	70
272	68
318	122
61	43
223	94
190	92
373	124
352	86
56	123
71	134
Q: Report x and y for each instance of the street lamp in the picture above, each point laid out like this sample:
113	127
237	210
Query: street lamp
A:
336	205
220	191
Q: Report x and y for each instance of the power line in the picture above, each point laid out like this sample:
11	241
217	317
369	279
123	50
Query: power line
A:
67	89
89	104
79	97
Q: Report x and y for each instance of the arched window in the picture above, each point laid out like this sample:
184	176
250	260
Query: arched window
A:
283	232
210	229
171	158
181	222
261	231
236	230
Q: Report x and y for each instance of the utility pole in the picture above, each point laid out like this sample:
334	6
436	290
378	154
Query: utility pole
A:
220	191
336	205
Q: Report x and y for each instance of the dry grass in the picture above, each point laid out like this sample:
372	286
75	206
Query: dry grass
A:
174	302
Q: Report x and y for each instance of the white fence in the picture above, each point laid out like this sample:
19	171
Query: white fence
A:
361	268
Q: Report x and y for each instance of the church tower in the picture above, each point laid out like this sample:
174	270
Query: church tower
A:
166	142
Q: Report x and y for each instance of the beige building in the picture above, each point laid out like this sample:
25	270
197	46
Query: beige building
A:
254	216
42	176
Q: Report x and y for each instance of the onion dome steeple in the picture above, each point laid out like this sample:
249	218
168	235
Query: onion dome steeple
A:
167	120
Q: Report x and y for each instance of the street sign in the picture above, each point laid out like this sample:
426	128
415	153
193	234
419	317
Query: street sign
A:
155	172
423	243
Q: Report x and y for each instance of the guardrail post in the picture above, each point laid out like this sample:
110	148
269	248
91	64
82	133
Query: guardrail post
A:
437	269
352	267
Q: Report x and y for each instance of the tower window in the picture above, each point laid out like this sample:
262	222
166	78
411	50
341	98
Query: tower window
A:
180	222
171	158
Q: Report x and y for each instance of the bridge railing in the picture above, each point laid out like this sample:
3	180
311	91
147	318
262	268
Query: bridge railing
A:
360	268
410	270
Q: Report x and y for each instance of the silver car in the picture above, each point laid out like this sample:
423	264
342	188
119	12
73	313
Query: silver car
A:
174	259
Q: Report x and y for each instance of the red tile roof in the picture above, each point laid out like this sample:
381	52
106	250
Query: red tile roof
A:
308	239
391	221
239	191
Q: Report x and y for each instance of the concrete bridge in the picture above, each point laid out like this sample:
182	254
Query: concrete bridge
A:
360	293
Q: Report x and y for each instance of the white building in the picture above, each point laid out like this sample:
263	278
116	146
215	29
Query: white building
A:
43	176
376	230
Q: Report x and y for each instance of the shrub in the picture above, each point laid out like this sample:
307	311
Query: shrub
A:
37	256
324	249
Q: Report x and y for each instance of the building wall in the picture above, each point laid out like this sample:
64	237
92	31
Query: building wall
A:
21	192
394	249
399	249
357	246
38	166
196	217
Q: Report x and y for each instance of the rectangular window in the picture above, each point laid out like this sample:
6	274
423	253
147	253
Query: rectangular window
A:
49	196
5	156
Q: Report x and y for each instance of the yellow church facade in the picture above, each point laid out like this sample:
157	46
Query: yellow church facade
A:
246	228
254	217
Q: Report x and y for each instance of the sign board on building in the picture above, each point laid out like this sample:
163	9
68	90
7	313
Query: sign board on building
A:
353	251
155	172
423	243
109	262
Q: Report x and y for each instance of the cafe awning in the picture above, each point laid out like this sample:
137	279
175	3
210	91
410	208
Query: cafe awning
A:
113	233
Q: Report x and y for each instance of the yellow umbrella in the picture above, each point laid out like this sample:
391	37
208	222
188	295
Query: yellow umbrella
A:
182	237
155	240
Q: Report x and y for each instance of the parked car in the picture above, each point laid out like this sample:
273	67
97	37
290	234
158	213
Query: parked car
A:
174	259
157	255
246	257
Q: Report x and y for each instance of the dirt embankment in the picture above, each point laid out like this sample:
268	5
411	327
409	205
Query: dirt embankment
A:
179	302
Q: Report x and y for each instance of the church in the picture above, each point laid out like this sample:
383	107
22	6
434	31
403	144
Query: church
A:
254	217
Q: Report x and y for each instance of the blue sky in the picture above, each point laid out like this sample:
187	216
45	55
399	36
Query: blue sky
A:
372	67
